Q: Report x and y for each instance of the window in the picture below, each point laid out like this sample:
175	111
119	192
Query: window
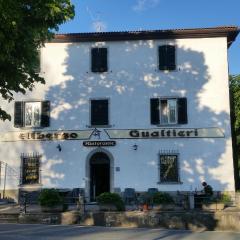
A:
32	114
99	112
30	169
167	58
168	165
99	60
166	111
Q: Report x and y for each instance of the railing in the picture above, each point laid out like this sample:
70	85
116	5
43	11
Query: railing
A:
182	202
6	172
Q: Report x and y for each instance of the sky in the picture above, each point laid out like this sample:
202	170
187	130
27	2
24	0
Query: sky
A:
125	15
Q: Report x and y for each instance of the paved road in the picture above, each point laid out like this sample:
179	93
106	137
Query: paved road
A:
76	232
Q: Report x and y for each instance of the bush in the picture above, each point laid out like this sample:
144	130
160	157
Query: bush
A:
225	198
111	198
162	198
50	198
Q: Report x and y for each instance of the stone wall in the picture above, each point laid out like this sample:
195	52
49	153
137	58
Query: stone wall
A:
191	220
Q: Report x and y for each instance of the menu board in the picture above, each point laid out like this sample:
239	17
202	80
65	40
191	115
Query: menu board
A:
169	168
30	170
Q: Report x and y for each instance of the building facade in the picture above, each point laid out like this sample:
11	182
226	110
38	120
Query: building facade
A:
147	109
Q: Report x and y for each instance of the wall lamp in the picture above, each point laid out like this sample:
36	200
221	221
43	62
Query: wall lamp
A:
135	147
59	147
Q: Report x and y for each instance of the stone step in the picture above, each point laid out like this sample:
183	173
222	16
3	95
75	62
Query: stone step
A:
8	218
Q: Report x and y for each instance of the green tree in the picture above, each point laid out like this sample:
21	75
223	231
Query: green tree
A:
235	96
25	25
235	121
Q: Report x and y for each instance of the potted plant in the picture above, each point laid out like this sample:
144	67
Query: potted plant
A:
50	201
110	202
162	201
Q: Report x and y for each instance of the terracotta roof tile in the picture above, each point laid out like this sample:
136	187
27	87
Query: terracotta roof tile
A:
230	32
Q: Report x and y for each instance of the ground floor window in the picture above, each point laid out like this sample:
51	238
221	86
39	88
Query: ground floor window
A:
168	168
30	169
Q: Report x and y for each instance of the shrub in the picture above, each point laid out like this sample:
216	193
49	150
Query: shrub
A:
162	198
225	198
111	198
50	198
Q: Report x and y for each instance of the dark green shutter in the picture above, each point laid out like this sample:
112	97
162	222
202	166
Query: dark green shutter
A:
18	114
182	111
99	60
155	115
103	60
167	57
45	117
99	112
94	59
170	57
162	57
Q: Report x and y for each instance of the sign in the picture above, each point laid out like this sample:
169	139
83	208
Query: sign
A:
30	170
165	133
168	168
46	135
99	143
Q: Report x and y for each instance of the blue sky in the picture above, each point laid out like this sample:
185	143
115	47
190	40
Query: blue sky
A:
122	15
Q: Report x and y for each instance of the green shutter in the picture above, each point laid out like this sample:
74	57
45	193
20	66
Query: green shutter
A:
18	114
182	111
162	57
170	57
167	57
154	106
99	112
45	116
99	59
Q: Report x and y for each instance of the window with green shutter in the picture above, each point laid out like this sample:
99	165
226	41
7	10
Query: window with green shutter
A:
99	112
166	111
167	57
32	114
99	60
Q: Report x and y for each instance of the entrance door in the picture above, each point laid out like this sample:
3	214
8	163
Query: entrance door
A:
99	175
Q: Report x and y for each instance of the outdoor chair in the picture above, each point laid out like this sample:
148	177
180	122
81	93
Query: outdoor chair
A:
129	195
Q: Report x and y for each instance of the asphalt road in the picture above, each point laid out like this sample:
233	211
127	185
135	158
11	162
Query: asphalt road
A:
75	232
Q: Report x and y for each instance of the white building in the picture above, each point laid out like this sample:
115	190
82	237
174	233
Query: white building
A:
145	109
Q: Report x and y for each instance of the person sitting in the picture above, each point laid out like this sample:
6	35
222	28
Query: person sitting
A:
207	189
204	196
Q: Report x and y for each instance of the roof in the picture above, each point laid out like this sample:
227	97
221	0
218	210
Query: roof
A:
230	32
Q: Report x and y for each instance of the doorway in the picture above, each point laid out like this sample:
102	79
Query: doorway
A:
99	174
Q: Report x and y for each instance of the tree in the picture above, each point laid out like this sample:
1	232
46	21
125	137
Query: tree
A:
235	97
25	25
235	122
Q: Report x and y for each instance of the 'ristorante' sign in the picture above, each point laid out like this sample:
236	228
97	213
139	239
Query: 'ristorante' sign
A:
165	133
99	143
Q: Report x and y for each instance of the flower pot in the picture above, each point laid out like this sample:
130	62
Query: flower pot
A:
213	206
107	207
163	207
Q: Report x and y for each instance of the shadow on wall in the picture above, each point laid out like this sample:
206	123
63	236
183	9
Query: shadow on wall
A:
133	78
